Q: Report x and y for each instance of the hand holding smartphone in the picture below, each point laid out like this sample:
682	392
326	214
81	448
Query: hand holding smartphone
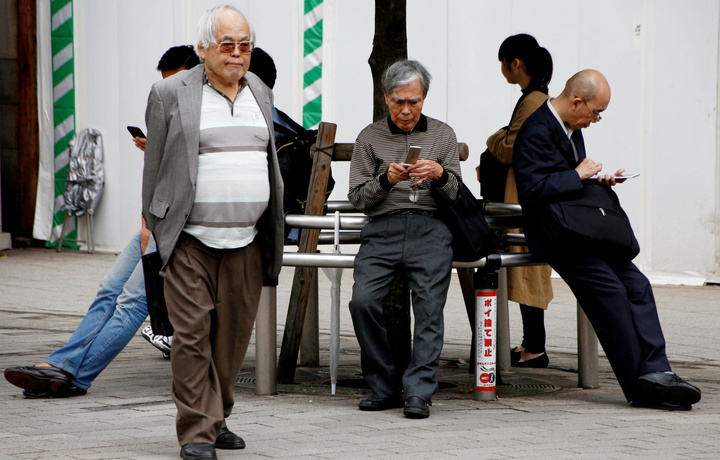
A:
136	132
412	155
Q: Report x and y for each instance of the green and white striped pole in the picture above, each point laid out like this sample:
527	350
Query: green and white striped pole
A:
312	63
63	111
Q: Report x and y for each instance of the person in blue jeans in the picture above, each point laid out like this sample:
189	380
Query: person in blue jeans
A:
117	312
112	320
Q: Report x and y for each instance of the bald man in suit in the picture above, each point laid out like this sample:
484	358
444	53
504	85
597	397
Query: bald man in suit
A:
550	165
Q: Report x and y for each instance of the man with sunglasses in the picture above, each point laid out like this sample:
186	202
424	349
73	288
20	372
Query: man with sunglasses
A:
551	165
212	195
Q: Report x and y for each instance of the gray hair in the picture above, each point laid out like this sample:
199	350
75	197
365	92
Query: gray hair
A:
403	73
207	26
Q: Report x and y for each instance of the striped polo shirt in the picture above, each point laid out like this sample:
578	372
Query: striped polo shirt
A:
233	185
382	143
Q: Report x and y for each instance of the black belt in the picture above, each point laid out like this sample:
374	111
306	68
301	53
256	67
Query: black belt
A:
407	212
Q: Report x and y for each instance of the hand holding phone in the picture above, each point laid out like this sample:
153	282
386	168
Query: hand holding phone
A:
136	132
412	155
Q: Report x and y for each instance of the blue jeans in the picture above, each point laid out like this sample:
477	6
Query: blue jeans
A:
112	320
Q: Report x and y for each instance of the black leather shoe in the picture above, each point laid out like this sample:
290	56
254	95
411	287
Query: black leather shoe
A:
374	403
198	450
40	379
659	390
416	408
228	440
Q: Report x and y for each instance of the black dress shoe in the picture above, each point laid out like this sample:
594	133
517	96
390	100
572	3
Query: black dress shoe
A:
198	450
40	379
374	403
539	362
416	408
659	390
71	391
228	440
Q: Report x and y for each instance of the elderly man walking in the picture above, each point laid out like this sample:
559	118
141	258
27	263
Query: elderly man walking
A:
403	236
212	195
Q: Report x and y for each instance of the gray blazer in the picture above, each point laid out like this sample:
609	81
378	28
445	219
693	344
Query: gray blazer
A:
171	164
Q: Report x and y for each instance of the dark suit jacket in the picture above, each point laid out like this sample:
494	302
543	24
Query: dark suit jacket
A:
544	164
171	164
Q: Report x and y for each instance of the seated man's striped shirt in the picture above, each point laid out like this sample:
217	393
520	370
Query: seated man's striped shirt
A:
233	186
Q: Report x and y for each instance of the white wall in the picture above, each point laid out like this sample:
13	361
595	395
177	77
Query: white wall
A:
662	120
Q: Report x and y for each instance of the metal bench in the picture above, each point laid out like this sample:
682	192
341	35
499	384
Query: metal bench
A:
306	261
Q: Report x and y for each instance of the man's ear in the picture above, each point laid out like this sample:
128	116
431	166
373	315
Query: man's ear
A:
575	103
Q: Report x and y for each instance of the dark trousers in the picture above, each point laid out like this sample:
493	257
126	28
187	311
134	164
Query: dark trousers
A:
533	320
212	297
419	247
618	300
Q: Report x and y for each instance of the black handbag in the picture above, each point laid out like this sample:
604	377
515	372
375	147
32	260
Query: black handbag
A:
155	294
593	221
473	238
493	176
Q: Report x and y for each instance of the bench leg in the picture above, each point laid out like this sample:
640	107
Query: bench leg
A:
587	352
266	343
502	351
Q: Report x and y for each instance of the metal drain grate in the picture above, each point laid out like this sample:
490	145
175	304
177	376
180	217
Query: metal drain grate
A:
534	386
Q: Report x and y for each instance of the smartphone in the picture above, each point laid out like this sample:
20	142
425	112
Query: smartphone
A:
412	155
622	176
136	132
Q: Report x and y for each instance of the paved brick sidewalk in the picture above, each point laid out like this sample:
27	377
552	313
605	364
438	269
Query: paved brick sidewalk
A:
128	412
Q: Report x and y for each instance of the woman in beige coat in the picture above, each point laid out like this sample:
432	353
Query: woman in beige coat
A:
525	63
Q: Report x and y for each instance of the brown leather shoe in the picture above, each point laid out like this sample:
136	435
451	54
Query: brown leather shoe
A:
40	379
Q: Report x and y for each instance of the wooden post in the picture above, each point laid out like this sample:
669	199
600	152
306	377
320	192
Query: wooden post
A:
308	244
29	150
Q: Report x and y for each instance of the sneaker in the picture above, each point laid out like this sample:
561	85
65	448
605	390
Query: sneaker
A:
160	342
147	333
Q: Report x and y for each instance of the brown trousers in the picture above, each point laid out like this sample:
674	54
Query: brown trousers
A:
212	297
